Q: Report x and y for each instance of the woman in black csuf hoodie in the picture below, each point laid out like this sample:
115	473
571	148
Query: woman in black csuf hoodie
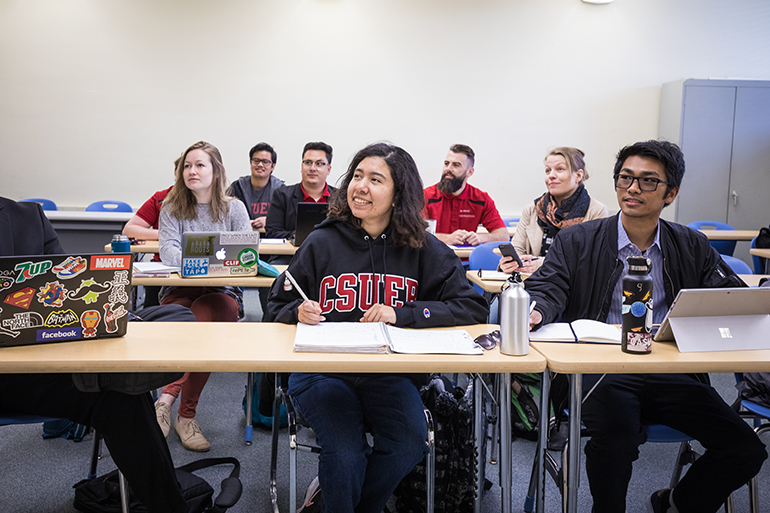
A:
371	261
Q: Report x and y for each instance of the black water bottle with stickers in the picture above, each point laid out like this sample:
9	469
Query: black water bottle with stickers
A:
637	307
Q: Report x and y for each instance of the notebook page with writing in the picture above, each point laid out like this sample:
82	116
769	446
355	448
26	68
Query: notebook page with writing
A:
341	337
431	342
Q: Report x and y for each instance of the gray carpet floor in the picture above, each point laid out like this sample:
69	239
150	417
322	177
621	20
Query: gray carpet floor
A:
37	474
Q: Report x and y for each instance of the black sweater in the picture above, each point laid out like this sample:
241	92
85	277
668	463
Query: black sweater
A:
582	267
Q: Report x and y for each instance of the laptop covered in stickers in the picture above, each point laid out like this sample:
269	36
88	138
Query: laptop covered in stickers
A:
60	298
219	254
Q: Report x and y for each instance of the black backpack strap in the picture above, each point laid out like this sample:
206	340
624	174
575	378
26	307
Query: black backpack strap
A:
231	487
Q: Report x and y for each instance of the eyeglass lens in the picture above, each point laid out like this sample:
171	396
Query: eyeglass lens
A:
310	163
646	184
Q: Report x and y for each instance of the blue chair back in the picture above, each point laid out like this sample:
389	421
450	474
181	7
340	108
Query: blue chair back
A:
724	247
109	206
737	265
45	203
511	221
759	262
482	257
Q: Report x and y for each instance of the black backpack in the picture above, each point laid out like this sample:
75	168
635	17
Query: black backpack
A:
102	494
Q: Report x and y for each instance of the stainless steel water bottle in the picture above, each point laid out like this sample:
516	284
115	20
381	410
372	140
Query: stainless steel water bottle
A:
514	317
637	307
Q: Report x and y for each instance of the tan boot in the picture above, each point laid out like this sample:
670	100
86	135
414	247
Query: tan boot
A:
191	436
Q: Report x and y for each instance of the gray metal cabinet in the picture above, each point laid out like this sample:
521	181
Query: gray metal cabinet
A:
723	128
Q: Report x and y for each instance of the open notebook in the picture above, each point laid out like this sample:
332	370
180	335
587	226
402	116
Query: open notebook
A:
378	337
581	330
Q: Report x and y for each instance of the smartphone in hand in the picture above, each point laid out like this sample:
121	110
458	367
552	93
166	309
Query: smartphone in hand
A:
509	251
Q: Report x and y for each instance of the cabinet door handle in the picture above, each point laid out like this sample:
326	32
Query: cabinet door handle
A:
735	198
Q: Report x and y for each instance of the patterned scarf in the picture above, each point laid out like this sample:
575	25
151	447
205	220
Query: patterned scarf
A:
552	218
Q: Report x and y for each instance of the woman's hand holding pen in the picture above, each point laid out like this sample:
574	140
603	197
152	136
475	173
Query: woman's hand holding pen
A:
508	264
309	312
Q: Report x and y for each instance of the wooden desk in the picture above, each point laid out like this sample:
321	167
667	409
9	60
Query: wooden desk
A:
738	235
760	252
233	281
256	347
151	246
511	230
463	251
579	359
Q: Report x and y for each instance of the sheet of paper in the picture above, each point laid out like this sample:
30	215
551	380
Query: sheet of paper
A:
336	337
272	241
432	342
554	332
154	267
588	330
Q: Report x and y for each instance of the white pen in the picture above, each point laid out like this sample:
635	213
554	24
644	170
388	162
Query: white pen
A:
296	285
531	305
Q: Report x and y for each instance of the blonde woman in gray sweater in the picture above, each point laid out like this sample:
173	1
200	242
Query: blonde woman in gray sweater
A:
197	202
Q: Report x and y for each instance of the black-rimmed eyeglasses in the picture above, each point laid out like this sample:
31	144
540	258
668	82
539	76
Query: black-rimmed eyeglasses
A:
266	162
646	183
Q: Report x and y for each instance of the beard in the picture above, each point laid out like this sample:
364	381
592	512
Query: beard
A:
449	184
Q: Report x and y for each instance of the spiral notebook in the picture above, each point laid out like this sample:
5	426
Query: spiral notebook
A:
378	337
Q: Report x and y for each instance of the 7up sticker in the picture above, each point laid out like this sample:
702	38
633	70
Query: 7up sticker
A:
31	269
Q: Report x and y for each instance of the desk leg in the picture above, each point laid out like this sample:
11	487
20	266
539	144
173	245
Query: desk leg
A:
480	434
542	443
506	481
573	454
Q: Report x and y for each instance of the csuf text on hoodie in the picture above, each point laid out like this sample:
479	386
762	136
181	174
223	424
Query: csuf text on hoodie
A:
347	271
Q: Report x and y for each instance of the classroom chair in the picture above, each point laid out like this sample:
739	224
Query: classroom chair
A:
511	221
9	419
737	265
482	257
724	247
282	397
759	262
109	206
45	203
755	411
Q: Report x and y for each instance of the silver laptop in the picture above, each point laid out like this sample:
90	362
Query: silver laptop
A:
219	254
725	319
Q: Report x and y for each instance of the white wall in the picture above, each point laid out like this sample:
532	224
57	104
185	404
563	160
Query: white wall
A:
97	98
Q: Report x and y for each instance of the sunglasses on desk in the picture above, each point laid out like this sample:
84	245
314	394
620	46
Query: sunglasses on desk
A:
488	341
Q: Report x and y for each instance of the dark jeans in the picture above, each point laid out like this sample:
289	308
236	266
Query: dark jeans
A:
127	423
355	477
622	403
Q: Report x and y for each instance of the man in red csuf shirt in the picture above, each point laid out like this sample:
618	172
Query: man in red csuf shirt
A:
459	208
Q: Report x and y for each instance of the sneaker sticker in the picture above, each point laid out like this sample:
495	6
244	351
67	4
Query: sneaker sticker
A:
52	294
90	320
89	291
29	270
70	267
61	318
21	298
